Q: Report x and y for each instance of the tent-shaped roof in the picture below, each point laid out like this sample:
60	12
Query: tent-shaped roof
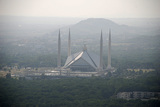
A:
83	58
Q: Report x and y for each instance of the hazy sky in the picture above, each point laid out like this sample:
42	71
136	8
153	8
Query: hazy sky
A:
82	8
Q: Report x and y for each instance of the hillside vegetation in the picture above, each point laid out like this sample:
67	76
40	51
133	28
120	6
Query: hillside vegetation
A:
71	92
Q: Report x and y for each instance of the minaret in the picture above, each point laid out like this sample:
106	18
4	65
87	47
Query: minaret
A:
59	52
69	44
109	51
101	53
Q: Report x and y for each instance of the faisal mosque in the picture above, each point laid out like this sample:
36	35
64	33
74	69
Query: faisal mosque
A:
85	62
80	64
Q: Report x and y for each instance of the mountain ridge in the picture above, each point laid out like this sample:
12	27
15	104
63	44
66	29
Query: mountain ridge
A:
92	27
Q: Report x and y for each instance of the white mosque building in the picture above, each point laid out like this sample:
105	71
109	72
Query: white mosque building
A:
85	61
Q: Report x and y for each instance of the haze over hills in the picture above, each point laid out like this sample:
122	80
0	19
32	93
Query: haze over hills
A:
27	37
138	22
20	26
91	28
39	26
43	30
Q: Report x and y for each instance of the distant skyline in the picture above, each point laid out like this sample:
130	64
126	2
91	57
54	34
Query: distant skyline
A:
82	8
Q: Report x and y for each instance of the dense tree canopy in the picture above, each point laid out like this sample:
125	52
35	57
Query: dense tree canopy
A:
73	92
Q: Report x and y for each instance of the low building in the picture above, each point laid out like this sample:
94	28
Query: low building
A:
124	95
138	95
